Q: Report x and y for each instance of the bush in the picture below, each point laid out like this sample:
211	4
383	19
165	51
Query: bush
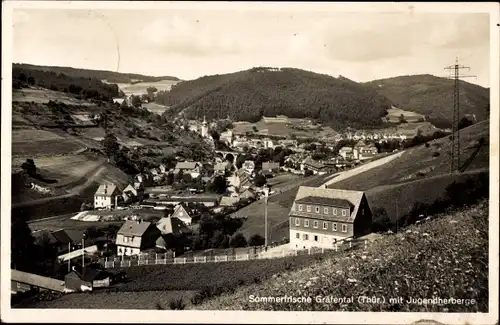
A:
238	240
256	240
177	304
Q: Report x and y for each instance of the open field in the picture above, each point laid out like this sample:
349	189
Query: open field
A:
44	96
115	300
452	250
155	108
29	135
421	160
394	114
282	129
46	148
426	190
140	88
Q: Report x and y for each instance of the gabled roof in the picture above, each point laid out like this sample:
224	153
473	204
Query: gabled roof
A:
40	234
313	163
106	190
134	228
354	197
170	225
325	201
187	165
346	149
227	201
184	208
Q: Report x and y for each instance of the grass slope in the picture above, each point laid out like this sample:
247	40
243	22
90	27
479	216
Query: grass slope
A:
420	161
445	257
433	96
248	95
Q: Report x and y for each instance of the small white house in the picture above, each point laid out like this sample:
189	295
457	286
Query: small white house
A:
106	196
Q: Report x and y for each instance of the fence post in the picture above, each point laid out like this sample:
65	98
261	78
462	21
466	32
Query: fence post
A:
205	259
225	258
248	257
129	263
350	244
296	252
336	247
106	259
185	260
322	250
309	251
365	243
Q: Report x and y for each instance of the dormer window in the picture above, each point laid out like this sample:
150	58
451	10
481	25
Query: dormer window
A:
308	208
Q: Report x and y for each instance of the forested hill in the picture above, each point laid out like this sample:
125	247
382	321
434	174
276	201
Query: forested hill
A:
248	95
81	87
109	76
433	96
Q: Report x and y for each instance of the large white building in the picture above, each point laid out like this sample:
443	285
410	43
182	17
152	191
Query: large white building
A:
106	196
320	217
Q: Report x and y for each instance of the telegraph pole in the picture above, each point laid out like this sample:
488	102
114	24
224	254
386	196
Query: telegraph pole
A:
455	136
266	196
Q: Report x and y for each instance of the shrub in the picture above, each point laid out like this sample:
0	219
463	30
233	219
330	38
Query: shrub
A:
177	304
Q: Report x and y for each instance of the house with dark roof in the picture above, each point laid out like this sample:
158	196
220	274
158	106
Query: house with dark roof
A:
106	196
192	168
319	217
315	166
133	193
90	277
136	236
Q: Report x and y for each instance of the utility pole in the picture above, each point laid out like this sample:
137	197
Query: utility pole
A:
455	136
266	196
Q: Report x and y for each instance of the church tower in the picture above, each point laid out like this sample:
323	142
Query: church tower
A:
204	128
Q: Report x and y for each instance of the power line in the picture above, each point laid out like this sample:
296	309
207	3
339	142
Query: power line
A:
455	136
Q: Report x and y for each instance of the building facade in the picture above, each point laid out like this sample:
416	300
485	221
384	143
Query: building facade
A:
320	217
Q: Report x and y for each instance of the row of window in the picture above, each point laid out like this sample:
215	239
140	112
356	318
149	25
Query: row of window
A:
325	210
305	236
316	224
127	239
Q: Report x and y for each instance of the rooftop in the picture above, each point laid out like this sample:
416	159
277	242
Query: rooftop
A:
134	228
331	202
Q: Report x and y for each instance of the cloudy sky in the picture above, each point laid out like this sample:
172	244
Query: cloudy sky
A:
192	43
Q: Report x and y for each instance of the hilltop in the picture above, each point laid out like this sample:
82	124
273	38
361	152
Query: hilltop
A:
251	94
109	76
433	97
450	249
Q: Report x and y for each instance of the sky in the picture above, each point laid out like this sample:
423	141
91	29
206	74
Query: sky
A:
188	44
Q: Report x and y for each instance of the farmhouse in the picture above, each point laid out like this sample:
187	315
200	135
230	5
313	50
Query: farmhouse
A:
133	193
136	236
270	166
319	217
362	151
346	153
188	167
106	196
181	213
315	166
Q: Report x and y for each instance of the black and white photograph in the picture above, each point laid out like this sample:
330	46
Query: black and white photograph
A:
167	161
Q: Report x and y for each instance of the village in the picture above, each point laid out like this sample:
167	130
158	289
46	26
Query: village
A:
164	204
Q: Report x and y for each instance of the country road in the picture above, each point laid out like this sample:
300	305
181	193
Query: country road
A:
360	169
74	191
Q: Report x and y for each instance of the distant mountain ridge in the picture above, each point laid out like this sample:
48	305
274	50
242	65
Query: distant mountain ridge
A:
109	76
433	97
251	94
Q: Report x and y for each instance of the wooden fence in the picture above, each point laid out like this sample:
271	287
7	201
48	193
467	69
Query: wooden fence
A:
160	259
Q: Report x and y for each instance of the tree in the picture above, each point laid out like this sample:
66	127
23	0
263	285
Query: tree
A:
381	220
169	180
136	101
23	249
256	240
260	180
110	145
464	122
29	167
219	185
238	240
